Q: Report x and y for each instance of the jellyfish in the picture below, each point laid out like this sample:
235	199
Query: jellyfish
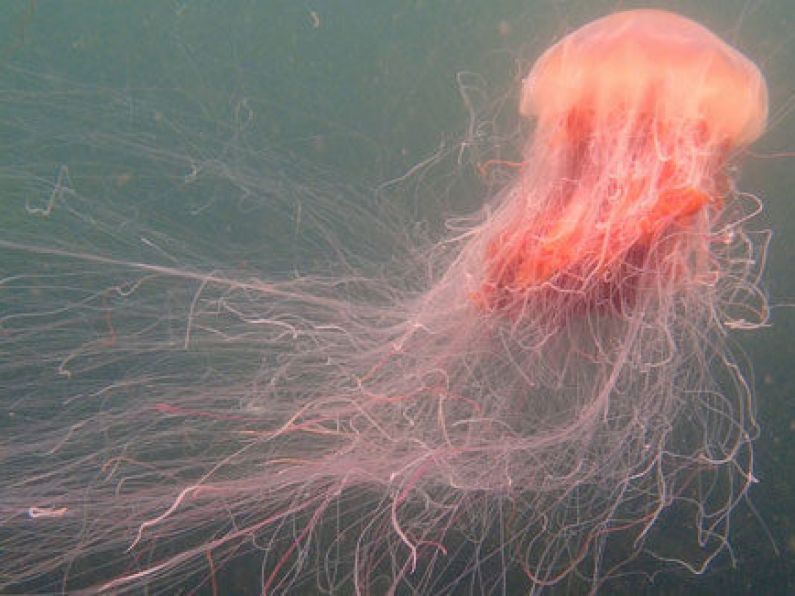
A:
636	116
555	392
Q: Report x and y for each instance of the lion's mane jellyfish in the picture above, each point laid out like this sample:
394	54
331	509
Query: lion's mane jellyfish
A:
557	401
636	117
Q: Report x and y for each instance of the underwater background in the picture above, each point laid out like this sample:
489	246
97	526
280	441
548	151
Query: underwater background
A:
347	97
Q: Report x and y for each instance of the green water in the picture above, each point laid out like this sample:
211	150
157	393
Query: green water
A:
344	96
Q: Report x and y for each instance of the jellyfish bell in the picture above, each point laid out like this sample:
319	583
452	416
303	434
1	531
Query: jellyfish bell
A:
637	114
653	61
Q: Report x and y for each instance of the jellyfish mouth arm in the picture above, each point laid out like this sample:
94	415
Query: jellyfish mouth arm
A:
581	242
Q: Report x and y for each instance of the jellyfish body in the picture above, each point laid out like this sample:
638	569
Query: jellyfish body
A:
636	116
